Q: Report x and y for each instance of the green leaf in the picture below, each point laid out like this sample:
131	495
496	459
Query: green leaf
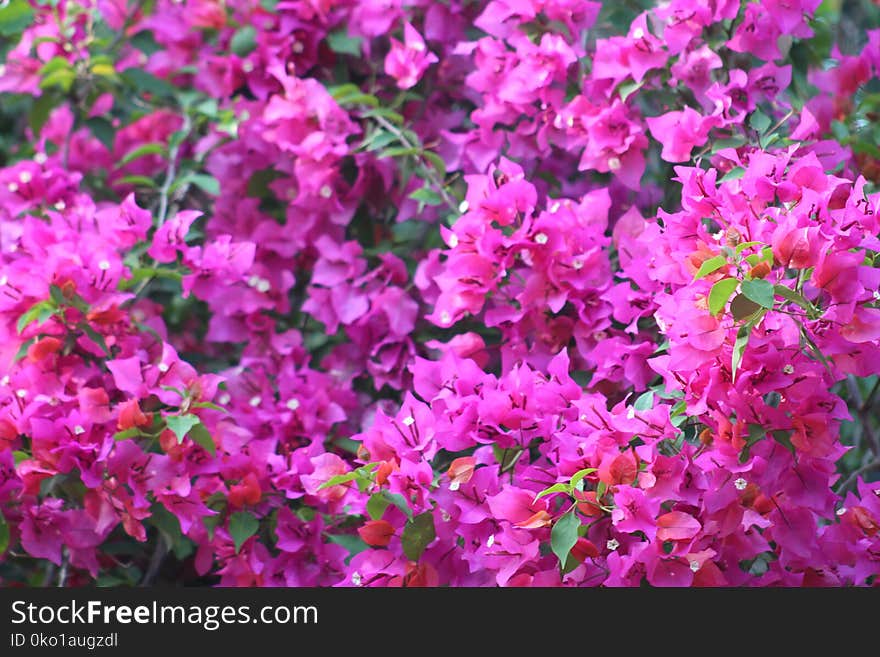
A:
103	131
153	148
427	196
145	42
759	121
208	183
729	142
645	401
343	44
709	266
627	89
741	307
720	293
417	535
578	477
399	501
57	295
376	506
23	349
783	437
166	522
400	151
144	82
244	41
95	337
351	542
181	424
139	181
739	348
385	113
40	110
745	245
4	534
40	311
436	161
561	487
211	405
340	479
790	295
734	174
132	432
242	525
15	17
379	139
564	535
759	291
202	437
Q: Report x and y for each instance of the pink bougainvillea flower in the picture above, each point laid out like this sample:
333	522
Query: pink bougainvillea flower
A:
407	61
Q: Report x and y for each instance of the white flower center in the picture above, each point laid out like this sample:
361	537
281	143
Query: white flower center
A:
292	404
463	207
453	241
104	265
255	401
541	238
740	484
326	191
79	430
614	163
695	566
491	541
612	544
409	421
25	177
356	578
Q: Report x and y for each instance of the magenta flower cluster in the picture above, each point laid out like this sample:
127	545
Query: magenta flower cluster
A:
384	293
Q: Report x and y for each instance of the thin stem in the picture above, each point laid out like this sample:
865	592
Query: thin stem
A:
873	465
127	23
155	562
429	170
65	562
869	400
171	172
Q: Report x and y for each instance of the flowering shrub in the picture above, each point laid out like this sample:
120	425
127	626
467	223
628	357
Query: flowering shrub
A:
384	293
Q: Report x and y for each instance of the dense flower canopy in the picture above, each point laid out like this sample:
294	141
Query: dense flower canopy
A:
414	293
